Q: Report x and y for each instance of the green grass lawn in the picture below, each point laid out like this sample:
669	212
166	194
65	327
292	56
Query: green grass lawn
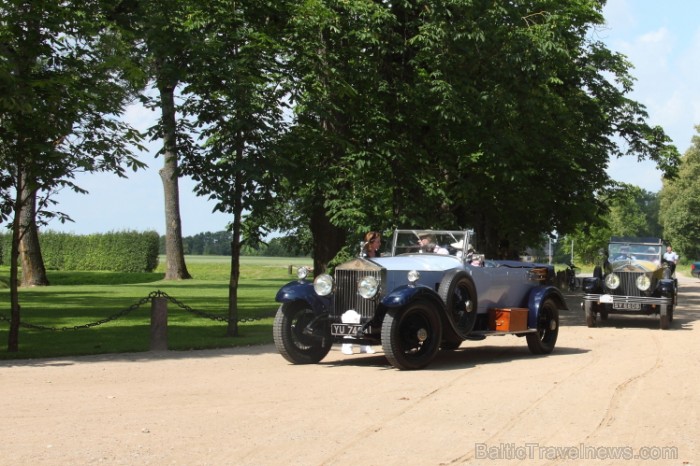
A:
59	314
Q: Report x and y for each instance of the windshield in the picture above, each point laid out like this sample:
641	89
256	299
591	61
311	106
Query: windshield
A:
633	251
451	242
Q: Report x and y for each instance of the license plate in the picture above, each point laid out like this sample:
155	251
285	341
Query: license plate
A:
345	329
627	306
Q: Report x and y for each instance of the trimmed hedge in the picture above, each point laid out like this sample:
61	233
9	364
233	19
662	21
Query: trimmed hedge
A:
125	251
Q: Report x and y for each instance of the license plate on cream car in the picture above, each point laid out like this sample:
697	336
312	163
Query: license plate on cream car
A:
627	306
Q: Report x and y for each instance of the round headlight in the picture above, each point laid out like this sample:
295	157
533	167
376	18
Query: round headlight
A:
413	276
643	282
368	287
302	273
323	284
612	281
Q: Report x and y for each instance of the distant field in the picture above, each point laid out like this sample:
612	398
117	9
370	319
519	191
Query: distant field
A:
247	260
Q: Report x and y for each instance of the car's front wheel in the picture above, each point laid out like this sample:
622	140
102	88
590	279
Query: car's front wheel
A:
288	333
545	339
411	335
665	320
589	310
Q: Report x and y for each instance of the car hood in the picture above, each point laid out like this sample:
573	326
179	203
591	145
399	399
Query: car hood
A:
420	262
634	266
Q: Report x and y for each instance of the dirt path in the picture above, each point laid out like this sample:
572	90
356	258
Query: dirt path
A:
621	390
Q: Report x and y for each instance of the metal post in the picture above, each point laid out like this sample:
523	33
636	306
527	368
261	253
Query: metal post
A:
572	251
159	324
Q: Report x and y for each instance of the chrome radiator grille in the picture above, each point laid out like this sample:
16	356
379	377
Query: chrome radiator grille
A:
346	296
628	285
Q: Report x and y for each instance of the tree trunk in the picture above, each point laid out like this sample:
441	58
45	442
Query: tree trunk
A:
327	238
33	269
232	330
13	333
176	269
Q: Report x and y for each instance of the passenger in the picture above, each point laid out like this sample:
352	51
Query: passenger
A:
373	241
427	244
476	260
459	246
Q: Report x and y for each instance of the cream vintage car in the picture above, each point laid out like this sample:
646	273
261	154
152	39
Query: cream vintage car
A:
634	280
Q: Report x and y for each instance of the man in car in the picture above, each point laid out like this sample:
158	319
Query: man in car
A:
427	243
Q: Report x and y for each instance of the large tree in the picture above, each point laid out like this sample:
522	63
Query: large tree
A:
501	117
235	98
156	29
63	86
680	204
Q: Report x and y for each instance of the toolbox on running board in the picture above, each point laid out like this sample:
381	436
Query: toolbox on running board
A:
508	320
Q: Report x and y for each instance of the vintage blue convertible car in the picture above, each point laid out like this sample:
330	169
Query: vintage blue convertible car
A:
417	301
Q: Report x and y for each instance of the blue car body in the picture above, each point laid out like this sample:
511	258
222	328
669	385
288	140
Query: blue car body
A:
414	302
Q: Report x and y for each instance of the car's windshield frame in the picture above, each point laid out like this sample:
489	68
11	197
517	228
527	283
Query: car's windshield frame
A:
407	241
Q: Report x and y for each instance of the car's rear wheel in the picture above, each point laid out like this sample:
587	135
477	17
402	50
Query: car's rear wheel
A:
411	335
545	339
288	333
458	293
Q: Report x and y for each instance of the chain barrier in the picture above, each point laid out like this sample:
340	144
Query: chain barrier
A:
141	302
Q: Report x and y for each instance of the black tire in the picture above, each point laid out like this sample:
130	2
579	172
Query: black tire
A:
665	320
411	336
545	339
590	311
291	342
458	293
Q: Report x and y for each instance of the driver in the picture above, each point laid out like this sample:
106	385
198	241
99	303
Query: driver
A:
427	243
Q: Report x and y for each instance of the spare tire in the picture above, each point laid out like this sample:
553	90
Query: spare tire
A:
458	292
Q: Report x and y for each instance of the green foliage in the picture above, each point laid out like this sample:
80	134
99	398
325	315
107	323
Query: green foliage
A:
126	251
496	116
628	211
680	204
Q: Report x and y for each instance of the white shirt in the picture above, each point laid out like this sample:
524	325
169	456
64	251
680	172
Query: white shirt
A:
671	257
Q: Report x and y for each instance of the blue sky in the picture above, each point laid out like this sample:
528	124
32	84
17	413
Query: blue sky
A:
660	38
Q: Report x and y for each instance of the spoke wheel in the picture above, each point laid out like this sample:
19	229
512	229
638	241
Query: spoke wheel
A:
545	339
291	341
411	335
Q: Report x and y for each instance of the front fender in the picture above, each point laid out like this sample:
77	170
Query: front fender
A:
302	290
407	293
666	287
537	296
